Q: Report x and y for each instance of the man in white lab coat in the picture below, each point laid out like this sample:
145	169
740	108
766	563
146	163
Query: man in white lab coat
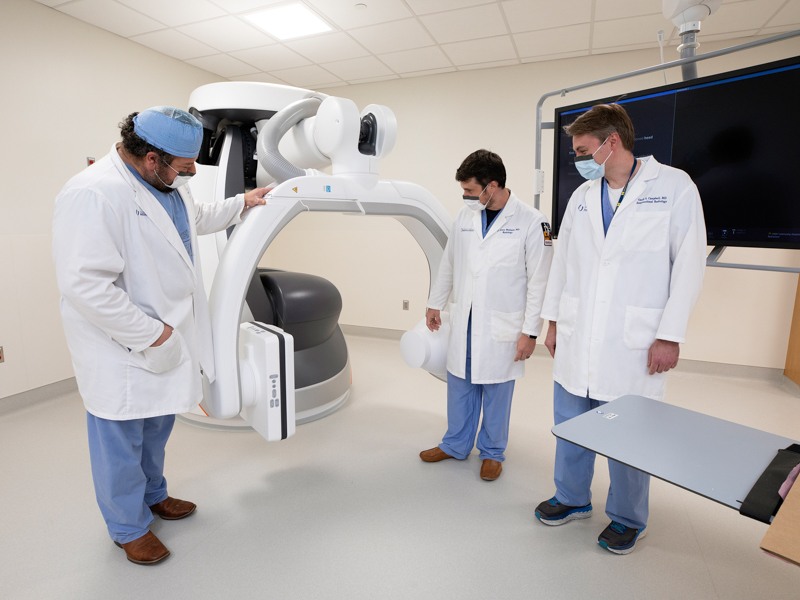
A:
627	271
495	264
135	313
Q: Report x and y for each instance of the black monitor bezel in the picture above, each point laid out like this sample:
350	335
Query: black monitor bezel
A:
556	225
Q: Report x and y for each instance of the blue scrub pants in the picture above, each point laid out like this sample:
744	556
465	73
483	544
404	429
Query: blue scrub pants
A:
464	400
629	492
127	467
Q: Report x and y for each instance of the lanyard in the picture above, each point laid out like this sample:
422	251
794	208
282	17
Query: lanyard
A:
625	189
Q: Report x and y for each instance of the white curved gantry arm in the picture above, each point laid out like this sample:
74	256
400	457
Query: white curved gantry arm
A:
413	206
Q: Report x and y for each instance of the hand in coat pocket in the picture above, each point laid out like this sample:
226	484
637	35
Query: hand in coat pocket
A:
166	356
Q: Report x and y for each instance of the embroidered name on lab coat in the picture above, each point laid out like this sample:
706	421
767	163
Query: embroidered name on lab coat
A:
652	200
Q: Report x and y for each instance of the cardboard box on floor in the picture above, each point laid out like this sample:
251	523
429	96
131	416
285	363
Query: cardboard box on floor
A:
783	536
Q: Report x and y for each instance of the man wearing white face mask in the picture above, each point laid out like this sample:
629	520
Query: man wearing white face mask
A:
135	313
627	271
495	264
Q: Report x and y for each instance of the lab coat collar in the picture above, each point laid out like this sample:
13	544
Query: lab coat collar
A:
508	210
648	170
154	211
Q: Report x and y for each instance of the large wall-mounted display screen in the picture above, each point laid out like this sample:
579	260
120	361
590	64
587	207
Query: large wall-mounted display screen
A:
733	133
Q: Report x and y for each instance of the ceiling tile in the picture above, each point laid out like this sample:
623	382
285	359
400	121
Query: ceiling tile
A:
260	77
223	65
619	9
174	43
333	85
227	34
312	75
490	65
111	16
358	68
634	30
466	24
740	16
271	58
531	59
328	47
553	41
788	15
237	6
393	37
429	72
424	7
176	12
375	79
477	51
344	13
416	60
51	2
529	15
631	47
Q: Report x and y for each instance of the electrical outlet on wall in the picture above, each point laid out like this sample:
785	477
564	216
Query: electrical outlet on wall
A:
405	304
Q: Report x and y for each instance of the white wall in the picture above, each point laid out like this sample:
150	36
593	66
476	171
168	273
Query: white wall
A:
65	86
743	317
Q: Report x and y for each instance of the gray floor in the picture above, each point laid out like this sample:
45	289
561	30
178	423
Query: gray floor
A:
345	508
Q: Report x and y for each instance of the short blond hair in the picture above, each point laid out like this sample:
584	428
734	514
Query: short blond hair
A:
601	121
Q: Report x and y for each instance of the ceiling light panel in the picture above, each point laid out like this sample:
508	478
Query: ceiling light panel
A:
288	21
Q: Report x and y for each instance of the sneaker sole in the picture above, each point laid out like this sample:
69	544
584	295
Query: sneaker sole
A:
574	516
627	550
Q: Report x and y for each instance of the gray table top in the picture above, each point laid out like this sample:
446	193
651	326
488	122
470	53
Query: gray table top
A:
705	455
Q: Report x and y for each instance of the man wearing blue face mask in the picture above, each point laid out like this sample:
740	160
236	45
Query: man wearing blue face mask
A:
135	313
626	274
495	265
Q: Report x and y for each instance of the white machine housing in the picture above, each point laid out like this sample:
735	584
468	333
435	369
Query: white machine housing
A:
353	144
686	15
422	348
266	365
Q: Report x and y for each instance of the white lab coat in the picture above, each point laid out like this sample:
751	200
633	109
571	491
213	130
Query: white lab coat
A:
613	296
502	278
123	271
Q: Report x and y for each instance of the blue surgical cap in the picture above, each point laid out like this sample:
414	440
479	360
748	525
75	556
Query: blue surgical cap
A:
170	129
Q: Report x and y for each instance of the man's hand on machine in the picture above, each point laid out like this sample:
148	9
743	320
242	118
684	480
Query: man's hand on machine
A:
433	319
163	337
663	356
550	339
525	346
256	197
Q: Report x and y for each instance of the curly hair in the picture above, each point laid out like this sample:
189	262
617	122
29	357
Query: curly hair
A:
135	145
485	166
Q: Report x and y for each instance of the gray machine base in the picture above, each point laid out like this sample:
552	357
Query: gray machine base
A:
311	403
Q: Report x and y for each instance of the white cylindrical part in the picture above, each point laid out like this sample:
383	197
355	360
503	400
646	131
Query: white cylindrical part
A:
426	349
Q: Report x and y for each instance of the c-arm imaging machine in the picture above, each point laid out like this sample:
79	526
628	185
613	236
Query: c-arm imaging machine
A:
255	372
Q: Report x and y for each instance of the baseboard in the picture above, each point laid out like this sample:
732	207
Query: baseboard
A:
22	400
372	332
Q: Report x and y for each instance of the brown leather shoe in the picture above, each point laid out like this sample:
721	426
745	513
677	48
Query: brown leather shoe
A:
491	469
146	550
173	509
434	455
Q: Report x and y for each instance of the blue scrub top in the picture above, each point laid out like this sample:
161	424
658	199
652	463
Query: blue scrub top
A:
176	209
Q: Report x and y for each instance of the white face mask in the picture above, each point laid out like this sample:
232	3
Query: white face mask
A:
182	177
474	203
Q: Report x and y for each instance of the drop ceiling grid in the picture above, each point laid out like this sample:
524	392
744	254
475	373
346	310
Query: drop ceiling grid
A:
213	34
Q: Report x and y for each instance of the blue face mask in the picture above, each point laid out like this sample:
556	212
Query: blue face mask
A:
587	166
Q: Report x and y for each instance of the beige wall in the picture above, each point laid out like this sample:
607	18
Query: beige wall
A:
65	86
742	317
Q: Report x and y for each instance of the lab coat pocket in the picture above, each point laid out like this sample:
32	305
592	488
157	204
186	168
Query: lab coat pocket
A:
504	253
167	356
641	325
646	231
507	327
567	316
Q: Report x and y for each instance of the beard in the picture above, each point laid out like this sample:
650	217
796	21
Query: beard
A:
156	179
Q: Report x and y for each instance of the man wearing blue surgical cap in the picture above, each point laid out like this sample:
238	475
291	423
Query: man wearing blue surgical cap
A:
135	314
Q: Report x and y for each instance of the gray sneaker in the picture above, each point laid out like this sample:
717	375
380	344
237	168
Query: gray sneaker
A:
552	512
